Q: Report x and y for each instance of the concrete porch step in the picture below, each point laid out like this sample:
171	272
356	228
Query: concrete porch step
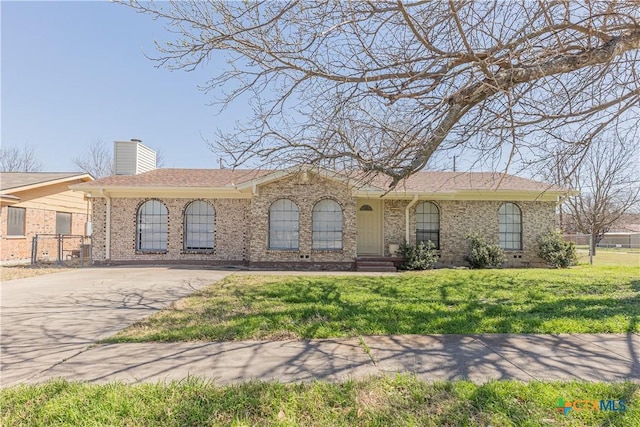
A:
376	269
375	265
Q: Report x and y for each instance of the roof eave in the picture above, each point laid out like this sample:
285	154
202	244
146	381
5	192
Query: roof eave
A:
84	177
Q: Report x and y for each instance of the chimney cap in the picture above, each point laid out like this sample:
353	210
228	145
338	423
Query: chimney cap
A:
136	140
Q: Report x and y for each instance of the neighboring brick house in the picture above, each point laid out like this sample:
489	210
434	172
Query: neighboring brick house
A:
38	203
310	218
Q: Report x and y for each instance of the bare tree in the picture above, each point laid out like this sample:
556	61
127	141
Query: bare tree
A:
14	159
608	179
381	85
96	159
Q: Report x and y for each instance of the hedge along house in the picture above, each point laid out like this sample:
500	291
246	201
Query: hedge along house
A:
310	218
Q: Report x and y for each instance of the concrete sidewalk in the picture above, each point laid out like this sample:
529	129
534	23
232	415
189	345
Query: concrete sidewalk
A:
479	358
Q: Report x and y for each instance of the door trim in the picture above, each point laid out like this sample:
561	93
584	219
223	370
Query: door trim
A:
378	207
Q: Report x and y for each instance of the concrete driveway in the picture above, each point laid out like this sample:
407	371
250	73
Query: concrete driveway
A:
46	320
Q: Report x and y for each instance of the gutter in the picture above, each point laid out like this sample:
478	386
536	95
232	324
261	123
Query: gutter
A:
406	216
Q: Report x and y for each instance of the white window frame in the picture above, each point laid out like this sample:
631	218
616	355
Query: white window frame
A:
152	216
284	225
428	222
199	227
510	227
327	225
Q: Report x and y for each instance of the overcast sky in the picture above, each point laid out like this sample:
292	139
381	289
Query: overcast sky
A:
73	72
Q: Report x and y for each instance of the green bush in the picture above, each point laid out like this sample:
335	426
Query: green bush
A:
419	256
483	254
553	249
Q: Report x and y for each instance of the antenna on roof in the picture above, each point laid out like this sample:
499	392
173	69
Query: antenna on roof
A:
221	165
454	163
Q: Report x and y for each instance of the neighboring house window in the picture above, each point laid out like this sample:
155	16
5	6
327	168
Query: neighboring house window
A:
327	225
428	223
510	227
152	226
63	223
199	218
15	221
283	225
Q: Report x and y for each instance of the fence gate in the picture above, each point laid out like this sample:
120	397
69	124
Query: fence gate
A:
61	249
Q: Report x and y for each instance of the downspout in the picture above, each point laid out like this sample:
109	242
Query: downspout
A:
107	237
406	217
107	240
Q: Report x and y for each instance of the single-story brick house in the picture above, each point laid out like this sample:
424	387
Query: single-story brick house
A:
310	218
39	203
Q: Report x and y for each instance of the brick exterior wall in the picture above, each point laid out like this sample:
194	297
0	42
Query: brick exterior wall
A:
230	231
459	218
37	221
242	227
305	193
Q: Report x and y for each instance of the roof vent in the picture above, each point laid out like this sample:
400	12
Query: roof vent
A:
132	157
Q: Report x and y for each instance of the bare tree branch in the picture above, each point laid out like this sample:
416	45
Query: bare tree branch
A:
382	86
96	160
607	176
14	159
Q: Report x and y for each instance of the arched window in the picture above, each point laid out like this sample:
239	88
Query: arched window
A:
428	223
510	227
327	225
283	225
199	219
151	230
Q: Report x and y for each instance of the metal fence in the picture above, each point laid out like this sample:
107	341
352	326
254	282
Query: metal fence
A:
61	249
610	240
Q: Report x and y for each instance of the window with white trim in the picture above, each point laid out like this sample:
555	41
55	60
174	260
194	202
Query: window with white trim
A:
327	225
199	219
15	221
152	228
284	229
428	223
510	227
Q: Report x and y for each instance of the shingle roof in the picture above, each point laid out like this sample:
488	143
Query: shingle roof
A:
13	180
419	182
212	178
466	181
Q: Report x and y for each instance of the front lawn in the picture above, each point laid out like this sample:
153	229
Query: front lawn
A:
376	401
583	299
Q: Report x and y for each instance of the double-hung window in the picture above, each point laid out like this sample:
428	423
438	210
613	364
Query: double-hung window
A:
284	225
152	227
327	225
428	224
510	227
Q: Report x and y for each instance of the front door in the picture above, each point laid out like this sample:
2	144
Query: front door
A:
369	226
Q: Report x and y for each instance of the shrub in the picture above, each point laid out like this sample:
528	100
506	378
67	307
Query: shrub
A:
483	254
553	249
419	256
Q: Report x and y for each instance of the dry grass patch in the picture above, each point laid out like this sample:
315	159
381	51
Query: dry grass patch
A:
22	271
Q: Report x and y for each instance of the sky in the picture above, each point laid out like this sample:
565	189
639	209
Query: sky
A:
75	72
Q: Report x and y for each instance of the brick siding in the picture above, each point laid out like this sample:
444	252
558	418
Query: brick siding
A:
242	227
459	218
37	221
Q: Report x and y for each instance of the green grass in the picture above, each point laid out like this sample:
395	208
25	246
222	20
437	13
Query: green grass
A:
579	300
612	257
377	401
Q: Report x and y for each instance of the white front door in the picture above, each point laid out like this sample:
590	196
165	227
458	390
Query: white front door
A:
369	226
